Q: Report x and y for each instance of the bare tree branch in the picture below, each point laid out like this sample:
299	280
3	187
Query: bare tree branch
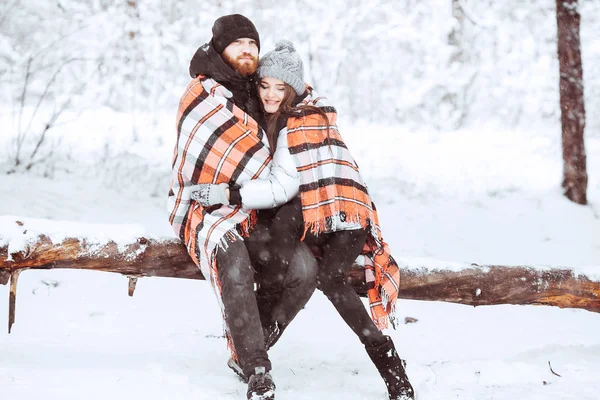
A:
551	370
20	134
47	88
475	20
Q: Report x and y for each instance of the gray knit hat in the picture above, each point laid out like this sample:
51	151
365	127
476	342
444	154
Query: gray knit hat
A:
283	63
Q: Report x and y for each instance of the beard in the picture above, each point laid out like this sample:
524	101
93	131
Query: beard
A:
245	64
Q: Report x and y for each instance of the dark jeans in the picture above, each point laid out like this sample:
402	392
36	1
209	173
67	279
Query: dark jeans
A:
246	312
339	250
281	264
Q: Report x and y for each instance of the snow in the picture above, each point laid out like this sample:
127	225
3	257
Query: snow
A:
487	194
19	232
446	200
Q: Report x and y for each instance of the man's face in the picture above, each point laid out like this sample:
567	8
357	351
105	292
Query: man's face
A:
242	55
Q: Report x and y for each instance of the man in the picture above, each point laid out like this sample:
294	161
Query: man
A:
219	142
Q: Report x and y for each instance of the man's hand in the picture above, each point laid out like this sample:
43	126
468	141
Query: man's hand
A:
208	194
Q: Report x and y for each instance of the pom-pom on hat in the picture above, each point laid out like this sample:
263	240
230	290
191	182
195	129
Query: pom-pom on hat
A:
228	28
283	63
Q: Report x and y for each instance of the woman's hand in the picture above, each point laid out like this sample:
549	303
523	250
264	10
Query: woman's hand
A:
208	194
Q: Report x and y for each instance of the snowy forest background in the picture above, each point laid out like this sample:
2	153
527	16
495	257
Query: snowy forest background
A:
451	109
411	62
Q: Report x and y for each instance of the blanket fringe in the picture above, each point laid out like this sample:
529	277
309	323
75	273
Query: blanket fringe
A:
389	306
321	225
240	231
383	321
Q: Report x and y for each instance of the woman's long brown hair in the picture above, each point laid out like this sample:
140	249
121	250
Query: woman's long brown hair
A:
286	110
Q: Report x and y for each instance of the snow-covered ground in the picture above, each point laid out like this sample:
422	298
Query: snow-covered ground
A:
479	195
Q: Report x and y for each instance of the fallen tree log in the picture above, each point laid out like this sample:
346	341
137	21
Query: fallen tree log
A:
465	284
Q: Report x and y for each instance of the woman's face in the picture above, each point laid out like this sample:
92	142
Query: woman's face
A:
271	92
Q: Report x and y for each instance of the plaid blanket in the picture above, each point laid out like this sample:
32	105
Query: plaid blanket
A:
216	142
331	190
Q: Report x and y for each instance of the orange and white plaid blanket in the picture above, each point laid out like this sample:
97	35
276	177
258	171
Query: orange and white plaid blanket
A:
331	188
216	142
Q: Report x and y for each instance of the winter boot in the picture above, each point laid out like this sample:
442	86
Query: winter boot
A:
260	385
272	334
237	369
391	369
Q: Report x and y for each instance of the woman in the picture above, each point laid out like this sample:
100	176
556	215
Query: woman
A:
322	199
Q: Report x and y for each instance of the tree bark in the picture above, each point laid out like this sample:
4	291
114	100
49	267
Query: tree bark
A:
473	285
571	101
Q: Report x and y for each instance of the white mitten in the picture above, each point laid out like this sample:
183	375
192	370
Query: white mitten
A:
208	194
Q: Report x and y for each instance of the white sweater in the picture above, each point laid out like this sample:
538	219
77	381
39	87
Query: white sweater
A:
279	187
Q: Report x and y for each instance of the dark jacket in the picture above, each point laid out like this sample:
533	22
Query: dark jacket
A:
208	62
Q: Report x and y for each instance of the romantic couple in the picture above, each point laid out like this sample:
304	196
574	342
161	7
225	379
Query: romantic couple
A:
271	205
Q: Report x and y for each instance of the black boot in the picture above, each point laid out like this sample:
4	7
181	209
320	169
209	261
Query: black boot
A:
260	385
272	334
391	369
237	368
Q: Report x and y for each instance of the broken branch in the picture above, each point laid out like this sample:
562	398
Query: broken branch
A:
12	298
551	370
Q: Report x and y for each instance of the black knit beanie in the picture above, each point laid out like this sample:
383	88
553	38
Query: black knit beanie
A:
232	27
